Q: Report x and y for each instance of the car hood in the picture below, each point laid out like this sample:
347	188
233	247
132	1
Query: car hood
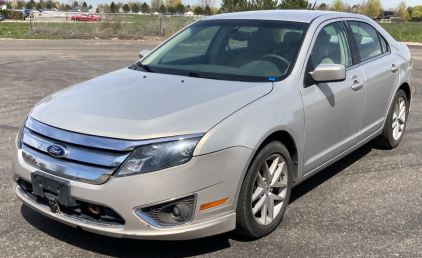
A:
136	105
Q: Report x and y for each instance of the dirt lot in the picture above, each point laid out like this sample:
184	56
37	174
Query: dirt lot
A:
367	205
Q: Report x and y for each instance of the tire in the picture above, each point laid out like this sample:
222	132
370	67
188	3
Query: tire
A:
389	138
278	160
77	19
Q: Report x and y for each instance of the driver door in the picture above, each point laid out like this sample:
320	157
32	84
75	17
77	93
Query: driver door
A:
333	111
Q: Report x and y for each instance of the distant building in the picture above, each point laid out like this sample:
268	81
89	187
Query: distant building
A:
4	7
189	13
388	14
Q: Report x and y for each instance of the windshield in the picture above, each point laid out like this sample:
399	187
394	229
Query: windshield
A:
237	50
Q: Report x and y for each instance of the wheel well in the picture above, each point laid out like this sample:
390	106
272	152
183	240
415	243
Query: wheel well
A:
406	88
287	140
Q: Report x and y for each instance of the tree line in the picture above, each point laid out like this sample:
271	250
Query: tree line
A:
370	8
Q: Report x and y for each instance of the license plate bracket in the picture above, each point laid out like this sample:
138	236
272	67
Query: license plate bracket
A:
50	187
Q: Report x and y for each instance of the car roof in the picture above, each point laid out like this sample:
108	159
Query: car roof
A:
281	15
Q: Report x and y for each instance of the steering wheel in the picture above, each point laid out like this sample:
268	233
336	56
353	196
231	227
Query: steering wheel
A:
277	59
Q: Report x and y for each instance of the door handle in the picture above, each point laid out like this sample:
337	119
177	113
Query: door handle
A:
394	68
357	85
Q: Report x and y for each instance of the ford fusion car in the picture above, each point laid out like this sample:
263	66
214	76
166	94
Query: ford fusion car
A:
210	131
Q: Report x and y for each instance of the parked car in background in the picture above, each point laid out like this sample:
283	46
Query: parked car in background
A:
85	17
210	131
2	17
26	13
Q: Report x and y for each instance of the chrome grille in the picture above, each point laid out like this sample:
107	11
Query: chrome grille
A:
82	163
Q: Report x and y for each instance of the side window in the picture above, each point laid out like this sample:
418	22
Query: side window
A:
367	40
384	45
331	47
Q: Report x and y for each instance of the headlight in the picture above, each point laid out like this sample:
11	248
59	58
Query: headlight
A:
19	137
158	156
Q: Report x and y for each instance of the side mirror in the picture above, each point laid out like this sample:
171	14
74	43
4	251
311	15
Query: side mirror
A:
329	73
143	53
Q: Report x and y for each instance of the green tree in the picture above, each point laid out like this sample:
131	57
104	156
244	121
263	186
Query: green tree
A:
113	8
84	4
126	8
207	10
401	11
417	8
20	5
180	8
416	14
337	6
135	8
144	7
294	4
48	6
263	5
90	7
198	10
322	6
229	6
373	8
171	9
162	9
98	10
155	5
29	6
74	4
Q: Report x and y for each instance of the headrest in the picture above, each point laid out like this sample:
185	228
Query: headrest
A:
292	36
323	37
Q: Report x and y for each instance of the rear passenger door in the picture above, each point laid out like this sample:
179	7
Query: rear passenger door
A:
381	74
333	111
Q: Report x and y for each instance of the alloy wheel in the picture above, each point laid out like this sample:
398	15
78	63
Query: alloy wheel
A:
269	189
399	118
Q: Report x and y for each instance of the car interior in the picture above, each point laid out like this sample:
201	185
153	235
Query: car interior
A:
266	51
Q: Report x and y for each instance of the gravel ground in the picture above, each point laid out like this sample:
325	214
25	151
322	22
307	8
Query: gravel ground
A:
366	205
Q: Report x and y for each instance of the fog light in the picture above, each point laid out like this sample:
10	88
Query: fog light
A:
173	213
176	211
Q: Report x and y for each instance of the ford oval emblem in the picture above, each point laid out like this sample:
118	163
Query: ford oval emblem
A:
57	151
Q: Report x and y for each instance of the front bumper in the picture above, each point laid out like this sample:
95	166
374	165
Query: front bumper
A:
210	177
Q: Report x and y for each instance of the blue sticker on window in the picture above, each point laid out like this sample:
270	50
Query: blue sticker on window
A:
271	79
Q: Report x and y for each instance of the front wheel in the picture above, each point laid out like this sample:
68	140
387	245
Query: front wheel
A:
395	123
265	191
76	19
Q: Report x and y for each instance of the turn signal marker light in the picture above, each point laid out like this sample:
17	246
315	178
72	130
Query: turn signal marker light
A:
212	204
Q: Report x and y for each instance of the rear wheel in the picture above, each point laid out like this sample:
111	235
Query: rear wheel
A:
265	191
395	123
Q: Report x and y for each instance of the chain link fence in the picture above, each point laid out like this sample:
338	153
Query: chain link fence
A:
106	26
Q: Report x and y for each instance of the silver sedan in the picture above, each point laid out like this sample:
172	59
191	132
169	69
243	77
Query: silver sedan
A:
210	131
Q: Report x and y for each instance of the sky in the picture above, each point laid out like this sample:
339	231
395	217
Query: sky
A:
385	3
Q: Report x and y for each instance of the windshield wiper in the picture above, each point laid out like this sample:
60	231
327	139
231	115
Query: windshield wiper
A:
146	67
193	74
